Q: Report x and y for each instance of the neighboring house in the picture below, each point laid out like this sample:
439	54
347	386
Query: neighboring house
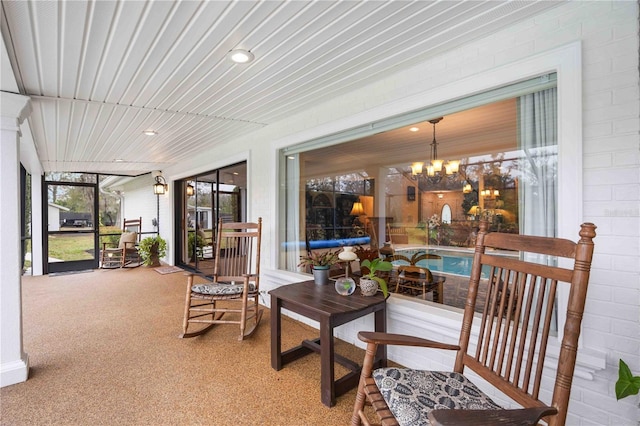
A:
75	220
54	215
200	216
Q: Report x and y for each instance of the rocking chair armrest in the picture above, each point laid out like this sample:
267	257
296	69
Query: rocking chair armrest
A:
402	340
518	417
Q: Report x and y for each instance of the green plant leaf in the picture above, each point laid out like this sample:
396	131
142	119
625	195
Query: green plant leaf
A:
627	384
385	266
383	285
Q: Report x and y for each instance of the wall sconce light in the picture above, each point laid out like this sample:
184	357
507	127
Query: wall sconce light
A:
160	187
190	189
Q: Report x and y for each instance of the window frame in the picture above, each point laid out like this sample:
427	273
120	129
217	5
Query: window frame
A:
565	61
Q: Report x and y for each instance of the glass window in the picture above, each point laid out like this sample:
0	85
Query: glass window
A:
207	198
423	186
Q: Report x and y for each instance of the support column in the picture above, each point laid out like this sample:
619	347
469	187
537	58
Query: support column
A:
38	257
14	363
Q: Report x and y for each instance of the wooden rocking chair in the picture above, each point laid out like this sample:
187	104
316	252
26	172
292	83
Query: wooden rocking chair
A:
236	279
508	350
126	253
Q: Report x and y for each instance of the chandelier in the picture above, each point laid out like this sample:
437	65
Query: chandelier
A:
434	170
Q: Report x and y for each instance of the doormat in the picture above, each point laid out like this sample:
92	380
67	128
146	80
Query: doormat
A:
168	269
56	274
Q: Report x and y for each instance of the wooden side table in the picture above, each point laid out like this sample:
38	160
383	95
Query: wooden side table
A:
323	304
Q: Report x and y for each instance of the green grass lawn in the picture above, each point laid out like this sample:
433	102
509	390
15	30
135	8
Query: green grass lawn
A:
80	246
71	247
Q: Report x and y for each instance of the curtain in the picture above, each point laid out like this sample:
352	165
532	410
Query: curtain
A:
538	141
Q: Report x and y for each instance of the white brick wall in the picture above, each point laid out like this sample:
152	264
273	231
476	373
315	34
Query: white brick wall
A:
608	32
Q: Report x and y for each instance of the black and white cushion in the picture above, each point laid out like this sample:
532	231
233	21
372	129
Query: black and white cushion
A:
411	394
221	289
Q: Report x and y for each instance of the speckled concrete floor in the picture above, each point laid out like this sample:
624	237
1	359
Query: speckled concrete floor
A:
103	350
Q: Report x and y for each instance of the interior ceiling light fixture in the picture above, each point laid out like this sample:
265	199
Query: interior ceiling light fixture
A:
240	56
434	169
150	132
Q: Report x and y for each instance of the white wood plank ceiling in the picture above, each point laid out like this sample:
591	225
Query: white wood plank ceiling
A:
101	72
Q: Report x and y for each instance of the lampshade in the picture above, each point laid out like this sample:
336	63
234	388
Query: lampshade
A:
190	190
437	164
357	209
475	210
416	168
452	167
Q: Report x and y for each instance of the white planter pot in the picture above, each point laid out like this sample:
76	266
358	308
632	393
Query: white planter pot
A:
368	287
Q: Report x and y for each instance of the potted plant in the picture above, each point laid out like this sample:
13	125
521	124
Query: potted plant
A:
151	249
320	263
366	253
370	281
194	241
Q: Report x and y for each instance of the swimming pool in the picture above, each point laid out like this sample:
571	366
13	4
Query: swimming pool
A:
455	262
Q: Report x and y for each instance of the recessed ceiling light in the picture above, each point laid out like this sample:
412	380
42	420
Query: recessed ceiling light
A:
240	56
150	132
414	129
118	160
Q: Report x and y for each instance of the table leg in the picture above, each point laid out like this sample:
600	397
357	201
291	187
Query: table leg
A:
327	389
276	339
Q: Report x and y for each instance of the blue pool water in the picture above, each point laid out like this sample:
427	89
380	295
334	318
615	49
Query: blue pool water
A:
451	262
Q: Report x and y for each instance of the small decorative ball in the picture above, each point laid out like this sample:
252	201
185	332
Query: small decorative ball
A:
345	286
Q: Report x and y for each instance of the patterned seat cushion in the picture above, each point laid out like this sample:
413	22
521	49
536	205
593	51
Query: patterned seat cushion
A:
411	394
221	289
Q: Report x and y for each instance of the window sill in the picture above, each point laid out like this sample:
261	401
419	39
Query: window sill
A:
438	322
